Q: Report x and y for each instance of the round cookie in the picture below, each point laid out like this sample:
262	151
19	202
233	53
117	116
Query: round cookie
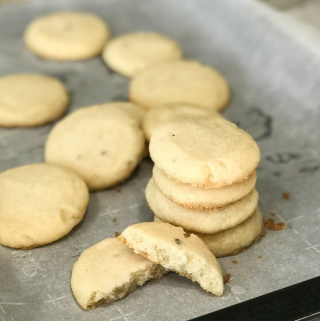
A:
102	144
182	81
28	100
204	151
134	52
156	116
176	250
39	204
108	271
199	198
67	36
236	239
201	221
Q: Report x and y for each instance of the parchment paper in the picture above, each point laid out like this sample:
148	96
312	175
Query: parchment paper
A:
274	74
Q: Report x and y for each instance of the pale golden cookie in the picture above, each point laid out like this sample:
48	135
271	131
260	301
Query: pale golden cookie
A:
103	145
134	52
204	151
28	100
67	36
201	221
182	81
176	250
156	116
108	271
236	239
199	198
39	204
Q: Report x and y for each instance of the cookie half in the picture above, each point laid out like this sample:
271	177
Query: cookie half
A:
103	145
67	36
108	271
176	250
156	116
204	151
28	100
134	52
236	239
201	221
191	197
40	204
182	81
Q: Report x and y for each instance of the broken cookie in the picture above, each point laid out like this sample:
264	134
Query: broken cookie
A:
176	250
108	271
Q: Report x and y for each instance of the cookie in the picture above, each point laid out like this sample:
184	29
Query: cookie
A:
67	36
176	250
103	145
108	271
134	52
158	115
204	151
236	239
191	197
40	204
182	81
28	100
201	221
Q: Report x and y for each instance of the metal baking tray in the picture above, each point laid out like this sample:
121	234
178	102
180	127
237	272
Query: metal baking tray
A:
274	75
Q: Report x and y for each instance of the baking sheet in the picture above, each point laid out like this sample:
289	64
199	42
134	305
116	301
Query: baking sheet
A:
275	81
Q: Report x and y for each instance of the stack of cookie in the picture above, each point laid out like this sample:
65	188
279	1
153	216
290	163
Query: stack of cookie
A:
204	181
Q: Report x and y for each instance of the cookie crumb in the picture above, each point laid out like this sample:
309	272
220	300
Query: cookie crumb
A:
186	234
79	157
234	261
121	239
116	234
104	152
114	220
286	196
118	189
178	241
226	278
260	257
145	254
271	225
273	214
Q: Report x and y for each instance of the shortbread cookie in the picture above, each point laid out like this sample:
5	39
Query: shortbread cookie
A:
176	250
67	36
200	198
28	100
201	221
156	116
236	239
203	151
102	144
108	271
134	52
182	81
39	204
